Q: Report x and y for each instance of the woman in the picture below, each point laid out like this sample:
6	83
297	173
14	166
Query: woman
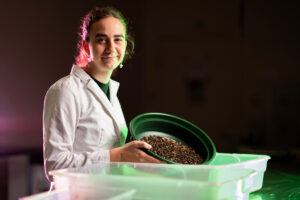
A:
83	120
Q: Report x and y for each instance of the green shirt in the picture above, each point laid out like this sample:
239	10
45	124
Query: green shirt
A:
104	87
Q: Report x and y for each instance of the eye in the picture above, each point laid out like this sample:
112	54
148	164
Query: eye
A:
101	40
119	40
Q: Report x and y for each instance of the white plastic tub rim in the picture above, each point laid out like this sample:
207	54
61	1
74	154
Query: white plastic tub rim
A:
251	161
147	170
62	194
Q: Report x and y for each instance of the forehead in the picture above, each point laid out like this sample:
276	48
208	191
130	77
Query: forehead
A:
108	26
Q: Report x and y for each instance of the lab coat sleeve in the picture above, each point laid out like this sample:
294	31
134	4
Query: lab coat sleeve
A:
61	114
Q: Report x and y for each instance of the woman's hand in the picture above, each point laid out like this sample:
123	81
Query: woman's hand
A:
131	152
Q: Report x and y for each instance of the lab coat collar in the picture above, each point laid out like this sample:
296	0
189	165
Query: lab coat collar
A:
80	73
95	89
83	76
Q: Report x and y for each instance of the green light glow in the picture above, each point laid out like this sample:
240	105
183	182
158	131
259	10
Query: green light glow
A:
123	136
256	197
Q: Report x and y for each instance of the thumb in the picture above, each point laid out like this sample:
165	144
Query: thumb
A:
141	144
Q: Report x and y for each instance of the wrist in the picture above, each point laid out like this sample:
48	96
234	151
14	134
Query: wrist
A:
115	155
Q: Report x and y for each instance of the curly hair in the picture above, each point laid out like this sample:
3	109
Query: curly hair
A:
88	20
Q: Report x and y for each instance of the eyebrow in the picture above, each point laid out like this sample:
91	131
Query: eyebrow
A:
104	35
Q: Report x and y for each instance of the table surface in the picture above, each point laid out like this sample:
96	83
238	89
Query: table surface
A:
280	184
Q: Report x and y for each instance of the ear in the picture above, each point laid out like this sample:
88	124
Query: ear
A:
85	47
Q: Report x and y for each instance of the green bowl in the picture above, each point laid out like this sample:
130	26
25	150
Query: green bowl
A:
175	128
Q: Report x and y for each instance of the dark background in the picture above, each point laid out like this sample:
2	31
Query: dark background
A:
230	67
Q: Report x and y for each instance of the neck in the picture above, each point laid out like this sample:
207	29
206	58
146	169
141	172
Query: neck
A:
100	75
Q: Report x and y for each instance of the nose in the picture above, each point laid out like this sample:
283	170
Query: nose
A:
110	47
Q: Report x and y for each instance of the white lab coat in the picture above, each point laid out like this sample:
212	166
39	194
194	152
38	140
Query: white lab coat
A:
80	124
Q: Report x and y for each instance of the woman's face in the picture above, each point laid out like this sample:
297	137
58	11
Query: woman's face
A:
107	43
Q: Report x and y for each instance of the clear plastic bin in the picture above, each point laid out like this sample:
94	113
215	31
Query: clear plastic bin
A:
84	193
162	181
246	161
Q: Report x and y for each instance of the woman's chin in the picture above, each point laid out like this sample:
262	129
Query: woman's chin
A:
110	66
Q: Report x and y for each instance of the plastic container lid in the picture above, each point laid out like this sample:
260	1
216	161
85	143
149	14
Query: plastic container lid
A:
175	128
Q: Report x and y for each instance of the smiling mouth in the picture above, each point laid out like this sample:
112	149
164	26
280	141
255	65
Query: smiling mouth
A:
109	57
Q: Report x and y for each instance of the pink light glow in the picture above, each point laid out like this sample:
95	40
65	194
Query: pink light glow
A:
16	124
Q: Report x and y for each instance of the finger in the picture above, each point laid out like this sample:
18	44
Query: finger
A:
155	160
158	161
161	162
151	159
